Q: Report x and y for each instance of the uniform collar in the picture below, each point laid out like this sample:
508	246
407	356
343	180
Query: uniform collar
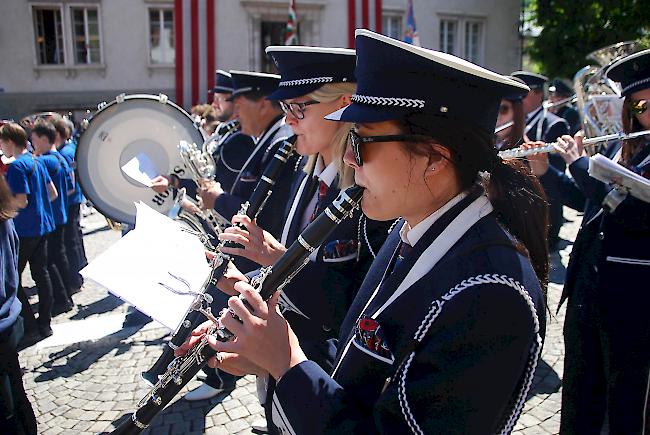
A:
410	236
325	174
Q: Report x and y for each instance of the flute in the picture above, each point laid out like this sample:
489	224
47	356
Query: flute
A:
267	282
201	305
519	152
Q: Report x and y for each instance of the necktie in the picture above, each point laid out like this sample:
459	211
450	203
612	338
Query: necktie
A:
322	191
404	250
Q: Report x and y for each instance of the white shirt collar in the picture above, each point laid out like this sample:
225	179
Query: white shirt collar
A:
410	236
325	174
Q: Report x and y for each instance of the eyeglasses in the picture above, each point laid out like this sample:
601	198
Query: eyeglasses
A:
356	141
638	106
297	110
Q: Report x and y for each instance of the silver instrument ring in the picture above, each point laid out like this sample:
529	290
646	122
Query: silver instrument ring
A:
329	214
282	159
172	345
137	423
305	245
268	180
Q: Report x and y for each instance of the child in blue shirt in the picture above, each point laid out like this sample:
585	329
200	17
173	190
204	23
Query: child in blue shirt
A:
43	136
73	236
32	190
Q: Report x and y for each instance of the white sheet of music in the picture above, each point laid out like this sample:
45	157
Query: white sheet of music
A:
603	169
154	253
141	169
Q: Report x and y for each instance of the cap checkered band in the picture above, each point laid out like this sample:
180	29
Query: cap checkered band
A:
387	101
637	83
311	81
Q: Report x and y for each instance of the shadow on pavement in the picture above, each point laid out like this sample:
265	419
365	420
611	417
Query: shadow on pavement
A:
179	417
78	357
545	380
97	230
108	303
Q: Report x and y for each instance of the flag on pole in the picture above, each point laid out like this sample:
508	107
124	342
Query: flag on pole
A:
411	32
291	34
363	14
195	43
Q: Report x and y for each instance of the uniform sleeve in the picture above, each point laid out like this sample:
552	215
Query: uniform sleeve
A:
593	189
562	188
227	205
17	180
559	128
465	376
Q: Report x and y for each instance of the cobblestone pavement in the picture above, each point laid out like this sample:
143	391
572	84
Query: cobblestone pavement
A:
85	378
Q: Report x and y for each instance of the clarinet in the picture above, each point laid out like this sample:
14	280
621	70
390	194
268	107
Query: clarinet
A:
201	305
267	282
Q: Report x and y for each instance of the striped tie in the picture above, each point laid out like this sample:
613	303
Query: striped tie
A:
322	192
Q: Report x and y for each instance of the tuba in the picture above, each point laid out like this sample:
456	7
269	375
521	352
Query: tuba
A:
598	97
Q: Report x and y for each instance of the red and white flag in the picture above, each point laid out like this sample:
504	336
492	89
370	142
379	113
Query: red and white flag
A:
364	14
291	34
195	50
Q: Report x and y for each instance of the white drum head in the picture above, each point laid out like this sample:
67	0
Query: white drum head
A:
120	131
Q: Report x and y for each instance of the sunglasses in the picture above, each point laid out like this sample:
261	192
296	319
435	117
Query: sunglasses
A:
356	141
638	106
297	110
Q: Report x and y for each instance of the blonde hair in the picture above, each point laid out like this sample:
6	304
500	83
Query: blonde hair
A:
326	94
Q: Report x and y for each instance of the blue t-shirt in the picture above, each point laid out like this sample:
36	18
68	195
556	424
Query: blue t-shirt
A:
61	175
9	304
28	175
68	150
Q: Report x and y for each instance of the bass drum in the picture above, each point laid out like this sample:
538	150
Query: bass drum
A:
129	126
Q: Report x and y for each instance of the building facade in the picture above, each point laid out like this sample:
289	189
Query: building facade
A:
69	55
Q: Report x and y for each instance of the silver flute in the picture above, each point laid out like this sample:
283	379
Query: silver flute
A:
516	153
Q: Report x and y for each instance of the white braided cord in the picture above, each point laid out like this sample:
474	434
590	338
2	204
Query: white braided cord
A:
435	310
310	81
388	101
631	85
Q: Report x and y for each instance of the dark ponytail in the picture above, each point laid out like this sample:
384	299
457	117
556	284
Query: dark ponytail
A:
517	196
521	206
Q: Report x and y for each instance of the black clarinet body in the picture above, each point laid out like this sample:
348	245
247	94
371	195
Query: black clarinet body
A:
250	208
270	280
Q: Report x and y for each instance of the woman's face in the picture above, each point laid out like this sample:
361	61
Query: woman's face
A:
314	133
394	179
506	114
644	118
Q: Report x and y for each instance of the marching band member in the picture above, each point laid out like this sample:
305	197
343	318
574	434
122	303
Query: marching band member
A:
607	362
264	121
73	236
315	81
541	125
558	91
455	297
510	110
32	189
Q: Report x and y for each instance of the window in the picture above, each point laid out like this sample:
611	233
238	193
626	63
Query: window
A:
448	31
85	35
391	25
161	36
464	37
473	41
272	34
49	36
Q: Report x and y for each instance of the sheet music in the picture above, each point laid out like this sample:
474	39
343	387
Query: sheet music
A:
148	255
141	169
607	171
